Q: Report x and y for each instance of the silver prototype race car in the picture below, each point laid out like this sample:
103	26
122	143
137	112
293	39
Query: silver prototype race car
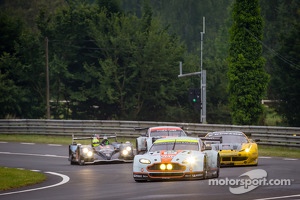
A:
100	150
177	158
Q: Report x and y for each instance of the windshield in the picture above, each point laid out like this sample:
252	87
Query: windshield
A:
166	133
175	146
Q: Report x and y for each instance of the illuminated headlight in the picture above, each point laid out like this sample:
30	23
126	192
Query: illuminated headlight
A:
90	154
125	152
128	148
248	149
145	161
85	150
169	167
190	160
166	166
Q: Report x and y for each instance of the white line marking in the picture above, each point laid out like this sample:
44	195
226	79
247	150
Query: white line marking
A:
290	159
55	145
65	179
35	170
282	197
3	142
27	143
28	154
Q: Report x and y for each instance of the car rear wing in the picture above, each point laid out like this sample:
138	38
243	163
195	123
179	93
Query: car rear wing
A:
211	140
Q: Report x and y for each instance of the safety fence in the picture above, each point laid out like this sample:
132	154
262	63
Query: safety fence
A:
268	135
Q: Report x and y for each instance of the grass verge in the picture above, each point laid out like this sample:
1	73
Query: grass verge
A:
273	151
14	178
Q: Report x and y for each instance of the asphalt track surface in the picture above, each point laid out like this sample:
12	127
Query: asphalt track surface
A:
114	181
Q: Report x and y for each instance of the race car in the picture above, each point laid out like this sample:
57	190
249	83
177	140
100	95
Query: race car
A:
99	151
144	142
176	158
234	147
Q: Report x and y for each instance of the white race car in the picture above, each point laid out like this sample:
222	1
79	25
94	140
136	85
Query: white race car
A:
177	158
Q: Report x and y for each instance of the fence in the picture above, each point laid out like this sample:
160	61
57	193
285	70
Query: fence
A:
268	135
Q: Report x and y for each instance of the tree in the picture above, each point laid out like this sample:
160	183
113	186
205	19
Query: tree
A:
21	89
287	71
247	78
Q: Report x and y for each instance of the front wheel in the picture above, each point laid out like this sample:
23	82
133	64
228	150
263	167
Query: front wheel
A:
204	168
71	160
81	161
218	166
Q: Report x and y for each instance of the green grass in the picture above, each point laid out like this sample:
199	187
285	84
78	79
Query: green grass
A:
14	178
272	151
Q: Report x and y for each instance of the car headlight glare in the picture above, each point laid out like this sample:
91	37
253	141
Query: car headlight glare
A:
85	150
90	154
145	161
128	148
190	160
248	149
169	166
162	167
125	152
166	166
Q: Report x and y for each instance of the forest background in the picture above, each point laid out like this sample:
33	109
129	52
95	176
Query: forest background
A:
119	59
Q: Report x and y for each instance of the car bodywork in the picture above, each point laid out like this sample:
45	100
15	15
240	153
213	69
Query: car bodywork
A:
176	158
235	148
145	141
102	153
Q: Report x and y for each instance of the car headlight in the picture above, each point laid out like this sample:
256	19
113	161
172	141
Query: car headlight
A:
125	152
85	150
247	149
128	148
90	154
166	166
145	161
190	160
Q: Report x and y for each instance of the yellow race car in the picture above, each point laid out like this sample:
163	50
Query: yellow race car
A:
234	148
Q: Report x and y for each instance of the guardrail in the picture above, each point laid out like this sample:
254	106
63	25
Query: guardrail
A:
268	135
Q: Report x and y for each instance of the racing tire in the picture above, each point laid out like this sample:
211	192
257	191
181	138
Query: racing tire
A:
205	168
81	161
218	166
71	160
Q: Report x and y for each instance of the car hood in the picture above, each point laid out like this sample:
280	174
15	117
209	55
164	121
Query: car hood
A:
168	156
